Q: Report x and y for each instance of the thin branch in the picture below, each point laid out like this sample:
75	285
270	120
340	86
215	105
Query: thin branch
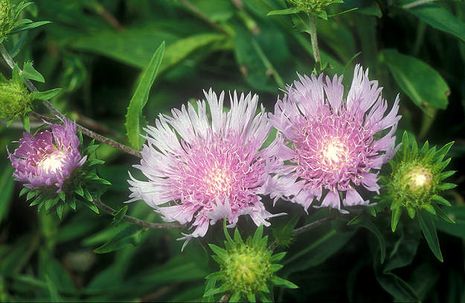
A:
107	16
303	229
310	226
55	112
109	210
417	3
198	13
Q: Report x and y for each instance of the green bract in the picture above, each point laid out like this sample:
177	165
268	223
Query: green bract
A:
247	268
316	7
416	179
83	187
6	18
15	100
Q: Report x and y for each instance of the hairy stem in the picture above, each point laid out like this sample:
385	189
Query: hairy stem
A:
310	226
314	40
109	210
417	3
55	112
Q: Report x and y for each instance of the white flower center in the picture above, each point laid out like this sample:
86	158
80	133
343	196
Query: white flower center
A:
419	178
218	182
334	153
52	163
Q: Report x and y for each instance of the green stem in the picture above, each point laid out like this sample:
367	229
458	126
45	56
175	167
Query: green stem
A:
269	66
314	39
419	38
133	220
417	3
310	226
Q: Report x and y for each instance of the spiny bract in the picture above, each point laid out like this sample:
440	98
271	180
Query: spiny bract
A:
247	268
416	179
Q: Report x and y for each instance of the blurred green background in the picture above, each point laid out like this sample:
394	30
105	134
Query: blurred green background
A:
95	51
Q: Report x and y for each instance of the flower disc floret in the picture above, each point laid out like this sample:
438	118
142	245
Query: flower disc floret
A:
204	164
247	269
332	146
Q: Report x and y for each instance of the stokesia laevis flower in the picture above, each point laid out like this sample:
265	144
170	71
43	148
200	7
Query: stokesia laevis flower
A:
48	158
202	169
332	146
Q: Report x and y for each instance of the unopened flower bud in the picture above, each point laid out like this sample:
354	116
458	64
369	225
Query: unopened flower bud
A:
416	179
313	6
6	18
247	268
15	100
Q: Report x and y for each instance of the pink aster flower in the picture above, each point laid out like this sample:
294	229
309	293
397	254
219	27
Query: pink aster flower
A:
48	158
333	146
202	166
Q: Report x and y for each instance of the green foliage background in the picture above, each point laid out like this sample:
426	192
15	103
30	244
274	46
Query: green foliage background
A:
95	51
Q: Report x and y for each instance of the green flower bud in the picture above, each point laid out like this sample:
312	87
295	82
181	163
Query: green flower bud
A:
247	268
313	6
15	100
6	17
416	179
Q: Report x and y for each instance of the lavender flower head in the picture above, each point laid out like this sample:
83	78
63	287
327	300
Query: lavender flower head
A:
200	169
48	158
332	146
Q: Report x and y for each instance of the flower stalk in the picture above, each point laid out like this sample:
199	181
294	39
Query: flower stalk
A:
133	220
314	40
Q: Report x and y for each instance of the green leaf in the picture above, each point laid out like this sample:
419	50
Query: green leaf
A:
419	81
278	257
27	124
220	252
46	95
283	230
59	210
29	25
91	206
446	186
251	297
54	296
370	226
397	287
424	279
119	215
140	97
428	227
403	250
286	11
395	217
6	192
443	215
283	282
316	249
457	214
29	72
440	200
441	19
128	236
